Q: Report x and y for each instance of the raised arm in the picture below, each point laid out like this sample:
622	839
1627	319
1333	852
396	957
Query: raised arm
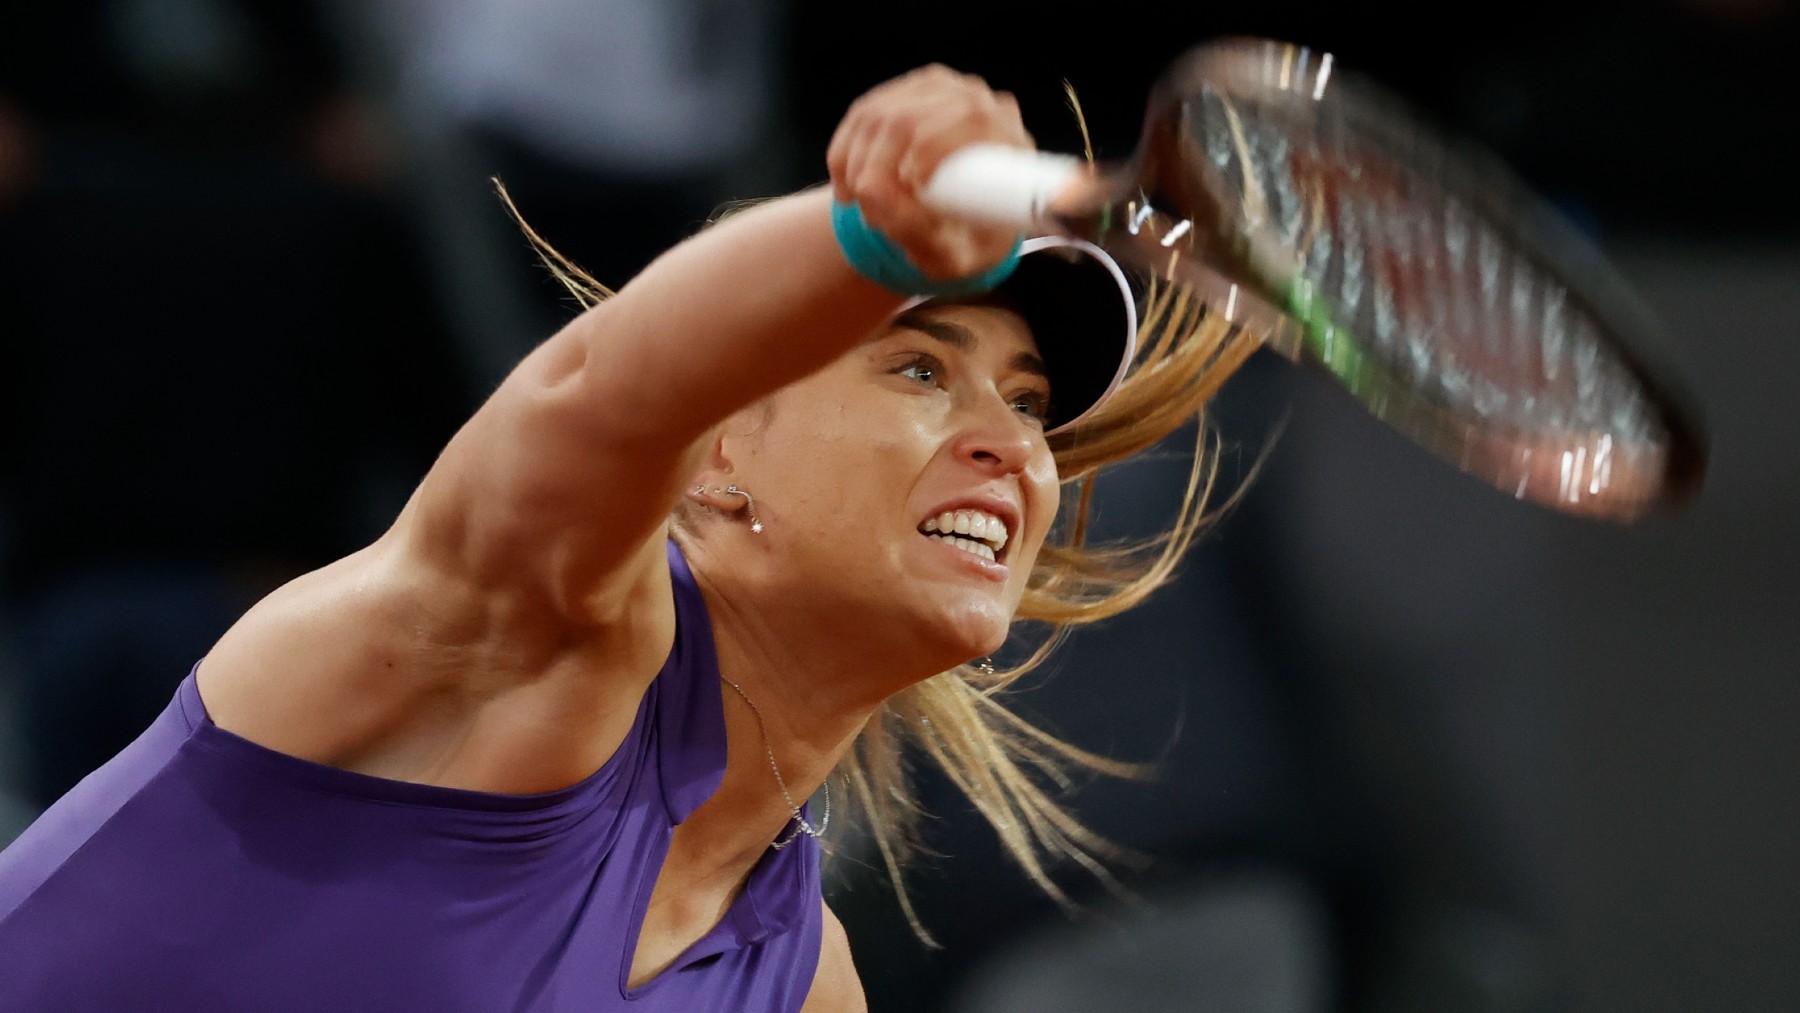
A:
564	479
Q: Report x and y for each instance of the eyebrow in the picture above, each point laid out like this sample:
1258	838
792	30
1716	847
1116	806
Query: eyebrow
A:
962	339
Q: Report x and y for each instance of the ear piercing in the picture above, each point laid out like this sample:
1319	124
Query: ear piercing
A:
749	505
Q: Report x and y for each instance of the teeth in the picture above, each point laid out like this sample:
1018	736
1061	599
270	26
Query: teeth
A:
981	549
976	525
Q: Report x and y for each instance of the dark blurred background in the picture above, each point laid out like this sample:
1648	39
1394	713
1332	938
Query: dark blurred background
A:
1425	748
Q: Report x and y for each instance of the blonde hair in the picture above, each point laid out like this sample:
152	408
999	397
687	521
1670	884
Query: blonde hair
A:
998	759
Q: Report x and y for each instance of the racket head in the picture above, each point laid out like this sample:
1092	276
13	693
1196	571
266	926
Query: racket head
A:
1452	301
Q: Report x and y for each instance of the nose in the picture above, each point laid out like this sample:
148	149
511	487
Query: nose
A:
995	438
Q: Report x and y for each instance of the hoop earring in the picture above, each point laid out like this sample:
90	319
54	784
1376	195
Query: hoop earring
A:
749	505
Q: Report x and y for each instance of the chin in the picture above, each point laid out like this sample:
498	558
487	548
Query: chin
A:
975	631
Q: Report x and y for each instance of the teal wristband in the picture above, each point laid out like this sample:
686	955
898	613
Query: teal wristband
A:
876	258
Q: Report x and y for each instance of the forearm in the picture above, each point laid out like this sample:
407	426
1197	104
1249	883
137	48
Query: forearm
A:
734	313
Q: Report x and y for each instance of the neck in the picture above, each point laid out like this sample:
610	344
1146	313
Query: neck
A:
814	694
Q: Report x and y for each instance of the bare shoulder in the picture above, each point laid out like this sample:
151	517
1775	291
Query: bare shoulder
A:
388	663
836	988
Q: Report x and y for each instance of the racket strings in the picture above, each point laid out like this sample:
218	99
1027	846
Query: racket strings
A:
1431	284
1465	339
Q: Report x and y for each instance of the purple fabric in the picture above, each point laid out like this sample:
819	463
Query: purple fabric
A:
198	871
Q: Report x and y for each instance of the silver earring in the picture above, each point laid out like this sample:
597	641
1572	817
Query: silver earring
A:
749	504
985	666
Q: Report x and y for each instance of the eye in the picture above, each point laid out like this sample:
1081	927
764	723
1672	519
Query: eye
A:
922	368
1032	403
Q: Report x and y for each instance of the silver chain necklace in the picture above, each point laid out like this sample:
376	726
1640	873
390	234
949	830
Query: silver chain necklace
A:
801	826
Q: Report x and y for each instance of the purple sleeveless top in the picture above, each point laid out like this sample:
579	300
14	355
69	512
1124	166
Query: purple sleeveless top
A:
198	871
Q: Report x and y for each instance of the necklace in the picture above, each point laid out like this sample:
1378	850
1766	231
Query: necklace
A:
801	825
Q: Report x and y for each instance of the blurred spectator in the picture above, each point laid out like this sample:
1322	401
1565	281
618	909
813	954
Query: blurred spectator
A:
222	366
618	127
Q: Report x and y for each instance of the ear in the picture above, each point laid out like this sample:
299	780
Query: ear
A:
707	486
733	441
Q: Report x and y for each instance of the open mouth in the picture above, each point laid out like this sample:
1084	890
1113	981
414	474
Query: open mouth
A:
973	531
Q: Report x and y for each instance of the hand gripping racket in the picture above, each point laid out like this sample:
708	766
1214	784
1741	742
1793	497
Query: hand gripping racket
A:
1321	212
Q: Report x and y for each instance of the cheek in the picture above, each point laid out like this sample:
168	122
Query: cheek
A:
1043	474
821	453
1045	490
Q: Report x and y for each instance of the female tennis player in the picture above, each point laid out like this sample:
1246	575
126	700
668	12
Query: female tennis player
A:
548	744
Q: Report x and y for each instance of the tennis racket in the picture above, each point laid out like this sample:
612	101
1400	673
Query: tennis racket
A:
1349	234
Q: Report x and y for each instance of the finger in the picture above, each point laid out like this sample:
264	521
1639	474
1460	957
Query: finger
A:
847	153
987	117
846	140
874	169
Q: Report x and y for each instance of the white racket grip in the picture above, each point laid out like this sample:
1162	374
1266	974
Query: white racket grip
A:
1000	184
